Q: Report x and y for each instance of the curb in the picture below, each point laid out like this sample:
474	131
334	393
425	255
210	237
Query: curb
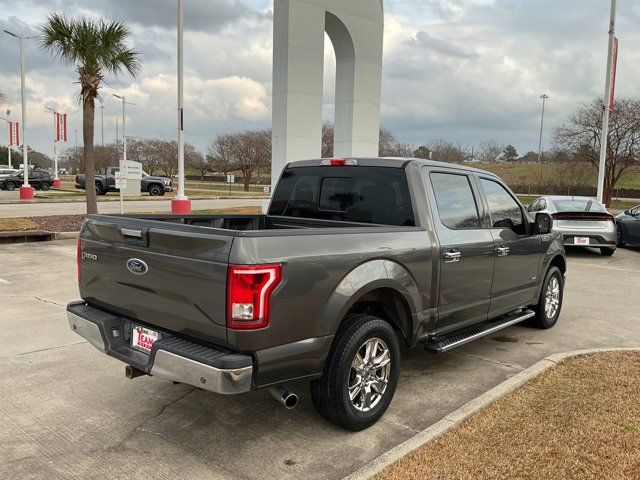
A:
455	418
65	235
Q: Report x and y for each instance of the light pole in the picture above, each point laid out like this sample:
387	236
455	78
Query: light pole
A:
181	205
6	119
544	97
102	121
124	120
26	191
608	101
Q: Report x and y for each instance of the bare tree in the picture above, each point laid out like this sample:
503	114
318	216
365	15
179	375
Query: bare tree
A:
198	161
449	152
220	154
489	151
582	135
248	152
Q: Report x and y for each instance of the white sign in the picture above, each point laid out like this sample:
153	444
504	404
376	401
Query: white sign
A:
121	180
132	170
231	179
266	189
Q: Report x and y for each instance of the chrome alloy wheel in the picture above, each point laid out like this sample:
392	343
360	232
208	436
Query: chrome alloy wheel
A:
369	375
552	298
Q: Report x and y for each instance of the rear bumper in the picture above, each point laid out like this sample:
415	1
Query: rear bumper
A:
172	358
597	238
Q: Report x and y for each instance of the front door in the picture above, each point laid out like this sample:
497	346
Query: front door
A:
467	250
518	253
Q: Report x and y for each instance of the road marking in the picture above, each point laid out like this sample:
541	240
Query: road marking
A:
4	282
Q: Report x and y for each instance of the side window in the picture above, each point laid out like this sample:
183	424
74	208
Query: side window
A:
535	206
456	204
505	211
543	205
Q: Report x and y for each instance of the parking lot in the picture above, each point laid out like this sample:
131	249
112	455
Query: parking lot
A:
68	411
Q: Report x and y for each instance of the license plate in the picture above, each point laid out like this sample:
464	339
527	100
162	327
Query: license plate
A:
143	338
581	240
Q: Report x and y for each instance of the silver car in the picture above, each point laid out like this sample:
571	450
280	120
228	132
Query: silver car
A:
583	221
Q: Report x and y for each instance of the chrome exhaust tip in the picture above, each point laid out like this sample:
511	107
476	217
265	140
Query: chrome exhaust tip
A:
287	398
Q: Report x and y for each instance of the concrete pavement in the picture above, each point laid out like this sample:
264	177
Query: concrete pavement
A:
68	411
38	209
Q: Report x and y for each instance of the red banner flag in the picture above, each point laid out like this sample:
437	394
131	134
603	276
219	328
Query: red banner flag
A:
61	127
14	134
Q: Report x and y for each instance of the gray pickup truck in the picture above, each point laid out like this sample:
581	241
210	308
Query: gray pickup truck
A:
354	257
156	186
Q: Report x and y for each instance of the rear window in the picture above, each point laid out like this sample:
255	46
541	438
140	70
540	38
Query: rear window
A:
378	195
578	205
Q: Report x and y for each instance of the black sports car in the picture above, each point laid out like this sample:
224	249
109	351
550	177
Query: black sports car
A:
628	224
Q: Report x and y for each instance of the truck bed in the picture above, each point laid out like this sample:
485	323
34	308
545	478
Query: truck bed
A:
186	258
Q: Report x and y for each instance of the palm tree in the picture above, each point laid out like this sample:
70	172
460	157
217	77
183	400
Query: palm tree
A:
95	48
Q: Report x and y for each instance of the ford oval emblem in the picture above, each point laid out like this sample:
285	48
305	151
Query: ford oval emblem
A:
137	266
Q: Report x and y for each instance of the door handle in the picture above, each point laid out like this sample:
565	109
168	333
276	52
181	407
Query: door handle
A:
452	256
503	251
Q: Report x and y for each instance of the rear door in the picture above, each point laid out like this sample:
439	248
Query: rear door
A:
467	249
165	275
517	253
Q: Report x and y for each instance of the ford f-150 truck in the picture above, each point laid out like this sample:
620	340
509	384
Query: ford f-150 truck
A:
156	186
353	257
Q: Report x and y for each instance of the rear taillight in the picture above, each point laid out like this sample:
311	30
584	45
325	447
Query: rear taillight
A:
78	257
249	289
583	216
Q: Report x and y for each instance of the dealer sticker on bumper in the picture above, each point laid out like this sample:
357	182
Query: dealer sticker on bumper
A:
581	240
143	338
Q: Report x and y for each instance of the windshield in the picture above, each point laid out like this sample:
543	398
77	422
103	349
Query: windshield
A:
578	205
378	195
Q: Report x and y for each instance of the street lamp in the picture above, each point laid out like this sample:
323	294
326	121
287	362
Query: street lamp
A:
124	119
181	205
26	191
608	100
6	119
544	97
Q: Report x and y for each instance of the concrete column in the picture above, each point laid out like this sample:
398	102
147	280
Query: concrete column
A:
356	30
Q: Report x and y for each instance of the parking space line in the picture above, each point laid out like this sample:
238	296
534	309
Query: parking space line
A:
4	282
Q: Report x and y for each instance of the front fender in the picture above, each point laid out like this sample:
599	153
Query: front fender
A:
363	279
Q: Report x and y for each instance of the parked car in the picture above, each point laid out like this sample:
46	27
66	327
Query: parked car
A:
353	257
63	171
628	224
4	172
38	179
156	186
582	221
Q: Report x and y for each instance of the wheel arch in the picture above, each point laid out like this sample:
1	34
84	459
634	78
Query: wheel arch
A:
382	288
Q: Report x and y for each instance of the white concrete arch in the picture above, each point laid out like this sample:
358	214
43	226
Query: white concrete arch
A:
356	29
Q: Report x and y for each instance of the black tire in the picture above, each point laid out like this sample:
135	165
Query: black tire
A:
607	252
37	187
46	186
620	235
99	189
10	186
542	319
330	393
156	190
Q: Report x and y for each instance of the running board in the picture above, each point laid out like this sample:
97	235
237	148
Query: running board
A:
460	337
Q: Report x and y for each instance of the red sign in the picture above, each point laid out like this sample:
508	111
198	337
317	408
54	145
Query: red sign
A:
14	134
61	127
614	67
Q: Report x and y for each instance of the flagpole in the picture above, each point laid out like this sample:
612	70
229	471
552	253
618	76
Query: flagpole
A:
608	103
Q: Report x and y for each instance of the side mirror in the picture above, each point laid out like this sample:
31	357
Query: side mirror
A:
627	212
543	224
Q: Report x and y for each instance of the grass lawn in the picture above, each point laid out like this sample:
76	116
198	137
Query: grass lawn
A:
17	225
579	420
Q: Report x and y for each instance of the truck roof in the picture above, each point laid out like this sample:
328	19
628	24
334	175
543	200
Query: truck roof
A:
392	162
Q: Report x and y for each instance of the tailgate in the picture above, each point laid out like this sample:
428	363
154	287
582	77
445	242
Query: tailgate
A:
168	275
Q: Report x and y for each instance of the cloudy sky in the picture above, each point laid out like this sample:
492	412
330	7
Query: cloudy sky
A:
462	70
